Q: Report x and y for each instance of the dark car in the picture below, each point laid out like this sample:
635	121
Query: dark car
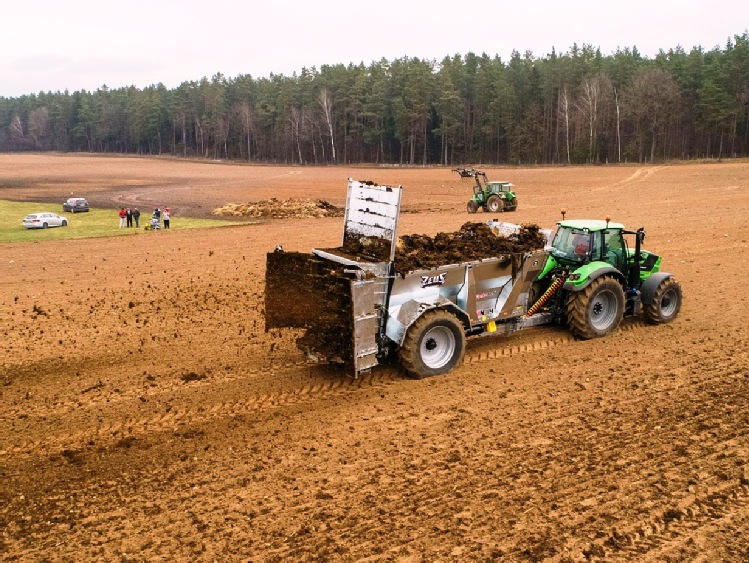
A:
75	204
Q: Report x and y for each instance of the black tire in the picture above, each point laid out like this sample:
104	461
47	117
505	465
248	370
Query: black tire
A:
44	225
511	206
596	310
64	223
666	302
494	204
472	207
434	344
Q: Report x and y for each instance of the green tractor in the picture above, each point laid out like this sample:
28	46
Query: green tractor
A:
593	278
492	196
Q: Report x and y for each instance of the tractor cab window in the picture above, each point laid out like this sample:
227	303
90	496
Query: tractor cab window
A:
498	187
614	248
596	248
571	244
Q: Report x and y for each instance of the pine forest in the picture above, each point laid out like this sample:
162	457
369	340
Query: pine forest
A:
573	108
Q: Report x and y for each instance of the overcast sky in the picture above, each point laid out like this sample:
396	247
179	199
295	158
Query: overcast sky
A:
53	45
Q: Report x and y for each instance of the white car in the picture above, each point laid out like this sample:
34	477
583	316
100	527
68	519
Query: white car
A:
44	220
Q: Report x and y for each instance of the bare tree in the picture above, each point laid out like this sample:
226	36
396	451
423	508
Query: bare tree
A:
618	127
16	127
247	120
295	122
564	115
38	125
650	102
587	103
326	103
222	128
199	137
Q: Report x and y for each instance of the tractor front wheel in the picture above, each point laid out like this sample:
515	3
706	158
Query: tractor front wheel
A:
472	207
666	302
596	310
434	344
494	204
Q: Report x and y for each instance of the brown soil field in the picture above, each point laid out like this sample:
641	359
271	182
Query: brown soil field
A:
146	415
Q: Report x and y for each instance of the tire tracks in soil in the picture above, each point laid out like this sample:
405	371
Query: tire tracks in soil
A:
113	431
674	519
658	536
673	516
638	176
258	402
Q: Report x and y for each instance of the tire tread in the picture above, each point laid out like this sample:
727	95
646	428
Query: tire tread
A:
409	351
653	313
577	309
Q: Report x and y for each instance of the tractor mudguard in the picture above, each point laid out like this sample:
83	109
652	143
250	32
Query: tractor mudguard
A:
586	274
397	327
649	286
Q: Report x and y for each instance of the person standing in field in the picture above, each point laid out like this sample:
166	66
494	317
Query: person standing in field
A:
123	216
129	216
136	216
156	218
167	216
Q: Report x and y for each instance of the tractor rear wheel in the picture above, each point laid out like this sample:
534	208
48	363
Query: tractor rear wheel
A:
434	344
666	302
596	310
472	207
494	203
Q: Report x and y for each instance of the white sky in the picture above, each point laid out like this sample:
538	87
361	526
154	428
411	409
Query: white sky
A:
53	45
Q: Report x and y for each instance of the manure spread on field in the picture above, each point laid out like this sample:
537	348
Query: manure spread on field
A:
473	241
295	208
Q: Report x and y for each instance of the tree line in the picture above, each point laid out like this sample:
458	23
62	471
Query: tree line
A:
576	107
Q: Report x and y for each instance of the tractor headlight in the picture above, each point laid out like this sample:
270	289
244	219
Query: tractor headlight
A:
574	277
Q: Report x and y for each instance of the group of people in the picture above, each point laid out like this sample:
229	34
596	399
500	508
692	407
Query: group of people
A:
128	216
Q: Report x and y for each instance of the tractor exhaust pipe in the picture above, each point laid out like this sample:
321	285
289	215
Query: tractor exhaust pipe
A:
634	273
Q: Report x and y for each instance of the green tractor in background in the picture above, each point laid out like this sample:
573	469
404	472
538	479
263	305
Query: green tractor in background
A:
492	196
592	279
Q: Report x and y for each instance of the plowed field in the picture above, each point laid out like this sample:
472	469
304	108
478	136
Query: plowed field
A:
146	415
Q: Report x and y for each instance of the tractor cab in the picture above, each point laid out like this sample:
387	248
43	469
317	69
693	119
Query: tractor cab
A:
581	242
495	187
585	246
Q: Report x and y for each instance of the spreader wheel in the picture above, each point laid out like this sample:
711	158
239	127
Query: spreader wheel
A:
666	302
434	344
596	310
